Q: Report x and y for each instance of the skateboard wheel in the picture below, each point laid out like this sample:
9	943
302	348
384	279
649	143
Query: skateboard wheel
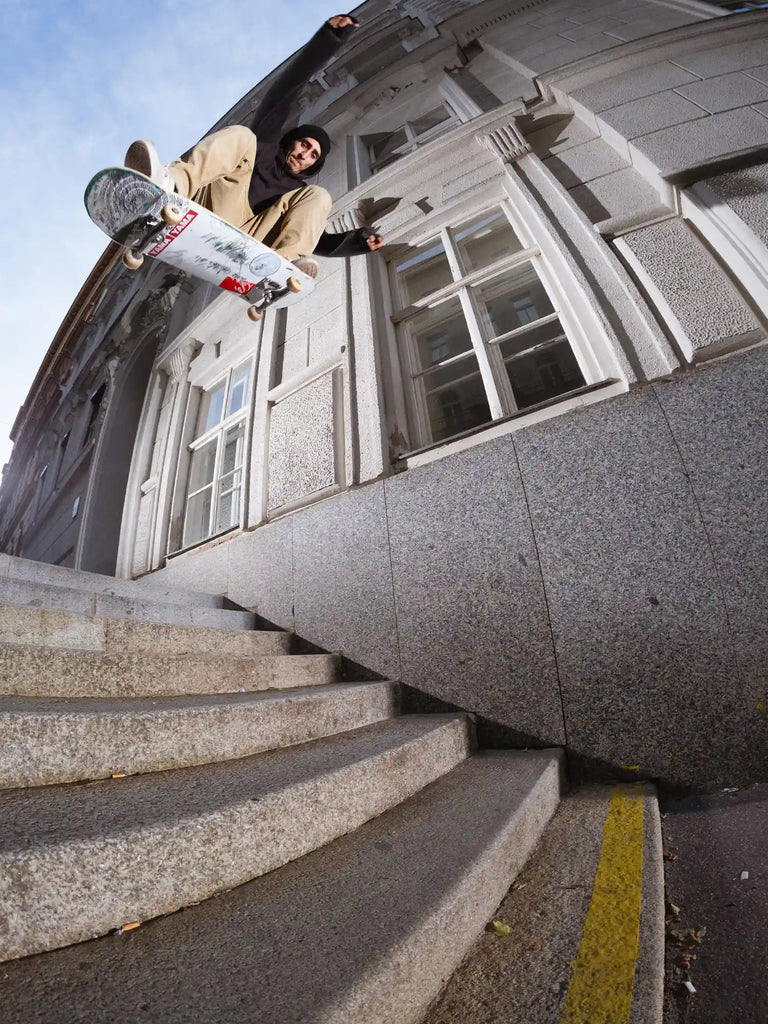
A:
132	260
294	284
171	213
254	314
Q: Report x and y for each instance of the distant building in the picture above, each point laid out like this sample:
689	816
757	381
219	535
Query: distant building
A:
517	458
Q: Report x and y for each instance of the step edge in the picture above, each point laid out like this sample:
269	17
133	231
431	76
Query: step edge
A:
114	919
476	881
364	704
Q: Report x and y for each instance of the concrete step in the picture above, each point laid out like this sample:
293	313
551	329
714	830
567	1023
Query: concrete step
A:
586	919
29	571
366	929
31	626
41	672
47	742
79	860
135	606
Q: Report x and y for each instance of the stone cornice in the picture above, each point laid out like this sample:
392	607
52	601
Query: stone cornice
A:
634	53
66	335
472	23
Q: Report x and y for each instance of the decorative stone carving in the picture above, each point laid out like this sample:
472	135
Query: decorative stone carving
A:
410	31
111	368
152	311
63	368
505	12
311	93
347	221
339	76
178	365
504	141
433	12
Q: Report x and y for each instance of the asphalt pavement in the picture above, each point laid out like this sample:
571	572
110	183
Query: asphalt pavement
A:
716	866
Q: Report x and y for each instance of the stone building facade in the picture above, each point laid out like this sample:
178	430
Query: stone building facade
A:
516	458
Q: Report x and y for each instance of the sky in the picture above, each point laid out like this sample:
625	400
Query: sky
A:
79	81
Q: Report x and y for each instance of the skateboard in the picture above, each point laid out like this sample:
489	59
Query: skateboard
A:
148	221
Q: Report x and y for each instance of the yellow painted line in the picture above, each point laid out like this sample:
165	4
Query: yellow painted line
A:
600	991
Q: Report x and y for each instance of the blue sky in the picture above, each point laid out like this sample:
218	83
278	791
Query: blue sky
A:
79	80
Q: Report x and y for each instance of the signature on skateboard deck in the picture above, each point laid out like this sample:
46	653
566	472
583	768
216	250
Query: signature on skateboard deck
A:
148	221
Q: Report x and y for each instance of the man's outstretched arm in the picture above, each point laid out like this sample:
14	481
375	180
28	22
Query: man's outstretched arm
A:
269	118
349	243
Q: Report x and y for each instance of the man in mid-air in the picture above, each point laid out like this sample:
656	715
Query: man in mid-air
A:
255	176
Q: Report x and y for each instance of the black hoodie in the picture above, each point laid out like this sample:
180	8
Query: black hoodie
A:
271	178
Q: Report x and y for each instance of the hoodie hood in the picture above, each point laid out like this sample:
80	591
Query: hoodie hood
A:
308	131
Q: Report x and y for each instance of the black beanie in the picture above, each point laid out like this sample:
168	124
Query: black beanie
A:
308	131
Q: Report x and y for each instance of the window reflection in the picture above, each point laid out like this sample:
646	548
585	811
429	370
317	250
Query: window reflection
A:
513	300
424	271
440	333
484	240
540	365
456	399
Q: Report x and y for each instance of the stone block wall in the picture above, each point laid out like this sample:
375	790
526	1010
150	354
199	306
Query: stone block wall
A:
595	581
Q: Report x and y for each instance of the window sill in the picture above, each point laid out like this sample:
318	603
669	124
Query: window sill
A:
499	428
211	542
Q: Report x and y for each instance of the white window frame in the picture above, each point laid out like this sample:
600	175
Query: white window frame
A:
490	362
360	155
218	432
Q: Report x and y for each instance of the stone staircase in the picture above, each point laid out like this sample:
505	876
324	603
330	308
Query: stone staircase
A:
292	849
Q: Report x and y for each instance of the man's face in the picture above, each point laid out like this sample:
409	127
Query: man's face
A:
302	155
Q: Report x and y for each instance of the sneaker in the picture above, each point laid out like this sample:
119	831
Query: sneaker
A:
142	157
309	266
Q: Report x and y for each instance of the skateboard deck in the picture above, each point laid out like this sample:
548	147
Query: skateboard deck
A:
147	221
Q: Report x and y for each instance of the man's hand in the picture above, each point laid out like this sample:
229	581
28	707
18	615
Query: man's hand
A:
374	242
343	21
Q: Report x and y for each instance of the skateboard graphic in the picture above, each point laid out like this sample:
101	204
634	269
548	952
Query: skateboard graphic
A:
148	221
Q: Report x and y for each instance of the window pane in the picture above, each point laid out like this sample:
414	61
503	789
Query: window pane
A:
440	333
238	392
211	408
456	398
229	505
202	466
541	365
423	271
228	513
483	240
428	121
233	449
198	518
383	148
512	300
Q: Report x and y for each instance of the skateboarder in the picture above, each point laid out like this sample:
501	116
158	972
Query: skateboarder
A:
255	176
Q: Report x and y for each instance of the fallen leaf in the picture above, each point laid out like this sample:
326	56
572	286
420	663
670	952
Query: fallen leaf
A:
499	928
685	961
672	912
686	936
669	855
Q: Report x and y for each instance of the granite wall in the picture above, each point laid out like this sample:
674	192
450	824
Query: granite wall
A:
596	580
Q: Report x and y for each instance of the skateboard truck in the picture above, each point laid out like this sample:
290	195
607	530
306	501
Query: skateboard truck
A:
271	290
170	214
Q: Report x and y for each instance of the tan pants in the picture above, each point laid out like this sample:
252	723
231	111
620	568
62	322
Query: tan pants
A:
216	173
